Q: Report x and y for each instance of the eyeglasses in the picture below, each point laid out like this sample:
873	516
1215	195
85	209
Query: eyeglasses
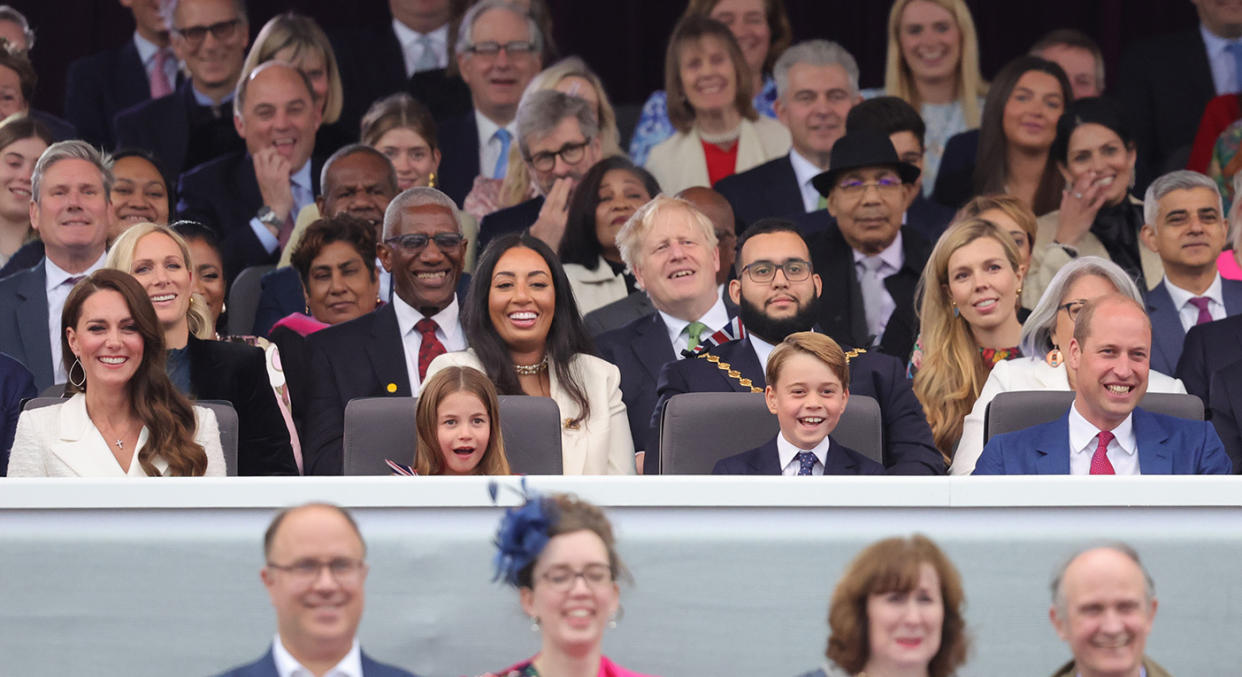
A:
570	153
1072	308
345	570
222	30
491	49
795	270
885	185
415	242
563	578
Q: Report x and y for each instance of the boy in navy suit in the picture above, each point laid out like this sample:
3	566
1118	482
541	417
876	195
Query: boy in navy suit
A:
808	388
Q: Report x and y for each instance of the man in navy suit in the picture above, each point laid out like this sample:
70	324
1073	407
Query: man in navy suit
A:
384	353
103	84
1186	226
252	198
1207	348
671	247
771	309
317	611
1104	432
192	124
498	52
816	85
1225	402
71	211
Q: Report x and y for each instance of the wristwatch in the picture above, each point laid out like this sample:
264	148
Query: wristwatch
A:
267	217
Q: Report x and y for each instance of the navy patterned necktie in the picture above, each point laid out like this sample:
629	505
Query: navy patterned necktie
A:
806	461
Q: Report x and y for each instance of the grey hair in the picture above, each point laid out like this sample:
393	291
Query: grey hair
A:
243	83
417	197
74	149
464	43
630	237
8	13
1038	328
1058	576
814	53
168	9
1181	179
353	149
541	112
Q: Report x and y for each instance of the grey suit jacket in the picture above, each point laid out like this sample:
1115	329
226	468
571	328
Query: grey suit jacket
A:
23	322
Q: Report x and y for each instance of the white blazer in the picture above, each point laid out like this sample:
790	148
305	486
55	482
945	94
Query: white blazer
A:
61	441
601	444
1024	373
597	288
678	162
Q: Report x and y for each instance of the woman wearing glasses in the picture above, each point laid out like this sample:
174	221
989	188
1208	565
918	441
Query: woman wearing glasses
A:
526	334
1045	341
709	103
560	554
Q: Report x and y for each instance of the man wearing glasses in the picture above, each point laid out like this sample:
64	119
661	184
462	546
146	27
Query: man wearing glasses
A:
776	289
870	261
193	124
558	137
498	52
316	574
386	353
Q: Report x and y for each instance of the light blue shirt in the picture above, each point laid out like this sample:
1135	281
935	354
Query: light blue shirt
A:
146	54
804	171
1224	67
303	194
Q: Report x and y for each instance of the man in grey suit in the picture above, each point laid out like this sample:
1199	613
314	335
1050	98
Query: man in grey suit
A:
1185	225
71	210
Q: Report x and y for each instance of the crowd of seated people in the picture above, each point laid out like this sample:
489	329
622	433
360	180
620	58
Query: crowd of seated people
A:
308	232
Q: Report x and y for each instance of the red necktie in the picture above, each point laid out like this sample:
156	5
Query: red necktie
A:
1099	461
1201	302
430	347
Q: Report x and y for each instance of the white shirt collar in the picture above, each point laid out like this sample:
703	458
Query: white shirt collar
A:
893	256
762	350
146	50
408	316
288	666
715	318
1181	297
1214	43
1082	434
204	100
803	168
788	451
56	275
487	128
407	35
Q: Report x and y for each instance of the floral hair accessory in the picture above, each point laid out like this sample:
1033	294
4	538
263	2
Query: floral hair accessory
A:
522	535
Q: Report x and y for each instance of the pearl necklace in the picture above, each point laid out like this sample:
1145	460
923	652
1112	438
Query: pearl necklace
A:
531	369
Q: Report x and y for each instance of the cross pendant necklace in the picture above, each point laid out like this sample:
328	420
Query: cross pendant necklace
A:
119	444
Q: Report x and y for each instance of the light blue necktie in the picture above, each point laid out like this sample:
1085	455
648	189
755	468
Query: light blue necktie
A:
806	461
427	60
502	162
1235	50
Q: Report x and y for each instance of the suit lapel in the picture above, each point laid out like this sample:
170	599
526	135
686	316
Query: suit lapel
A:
837	462
651	346
740	357
76	445
1166	327
1155	455
32	316
765	460
132	81
786	191
386	351
1052	450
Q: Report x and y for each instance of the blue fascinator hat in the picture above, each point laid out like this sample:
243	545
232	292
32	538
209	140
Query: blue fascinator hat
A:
523	533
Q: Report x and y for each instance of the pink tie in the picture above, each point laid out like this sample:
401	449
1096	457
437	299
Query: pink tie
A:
1201	302
1099	461
160	86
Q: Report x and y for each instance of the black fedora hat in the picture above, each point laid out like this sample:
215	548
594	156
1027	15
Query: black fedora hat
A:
862	148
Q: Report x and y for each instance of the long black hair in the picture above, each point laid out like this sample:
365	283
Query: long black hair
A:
580	244
567	335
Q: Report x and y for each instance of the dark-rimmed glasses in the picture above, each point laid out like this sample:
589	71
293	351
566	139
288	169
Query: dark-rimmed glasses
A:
345	570
1072	308
571	153
221	31
795	270
415	242
491	48
885	185
563	578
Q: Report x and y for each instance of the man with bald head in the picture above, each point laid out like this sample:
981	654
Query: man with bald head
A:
252	197
1103	606
315	573
1105	432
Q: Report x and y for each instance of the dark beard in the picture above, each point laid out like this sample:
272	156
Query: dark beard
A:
775	330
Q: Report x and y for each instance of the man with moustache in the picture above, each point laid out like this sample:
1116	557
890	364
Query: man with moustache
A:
773	306
357	180
386	353
816	85
1105	432
317	611
1103	606
252	197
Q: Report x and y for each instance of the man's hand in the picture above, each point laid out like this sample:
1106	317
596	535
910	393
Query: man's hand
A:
272	171
550	226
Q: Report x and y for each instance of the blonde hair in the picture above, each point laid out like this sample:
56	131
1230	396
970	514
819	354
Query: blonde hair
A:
1010	206
899	81
517	182
952	373
428	459
121	257
301	33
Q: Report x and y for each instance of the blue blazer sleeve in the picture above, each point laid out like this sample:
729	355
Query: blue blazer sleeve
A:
1214	460
992	460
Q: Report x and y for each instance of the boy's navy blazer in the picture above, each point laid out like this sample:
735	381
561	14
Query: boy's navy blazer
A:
765	460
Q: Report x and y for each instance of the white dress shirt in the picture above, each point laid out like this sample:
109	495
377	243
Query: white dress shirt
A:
763	350
1224	67
489	148
57	293
288	666
146	54
303	194
412	46
893	258
805	171
788	454
448	331
1188	312
715	318
1083	440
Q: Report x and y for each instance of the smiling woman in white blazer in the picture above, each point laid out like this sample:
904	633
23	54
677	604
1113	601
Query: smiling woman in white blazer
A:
709	103
526	334
125	417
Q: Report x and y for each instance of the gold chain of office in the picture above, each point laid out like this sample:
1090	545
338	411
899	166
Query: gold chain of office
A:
747	383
